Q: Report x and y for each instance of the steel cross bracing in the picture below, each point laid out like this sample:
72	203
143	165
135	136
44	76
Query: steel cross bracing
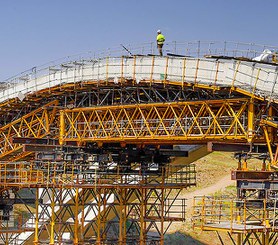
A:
171	101
36	124
76	197
87	94
231	120
176	122
135	212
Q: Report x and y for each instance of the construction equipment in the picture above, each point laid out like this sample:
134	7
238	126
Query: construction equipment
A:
101	142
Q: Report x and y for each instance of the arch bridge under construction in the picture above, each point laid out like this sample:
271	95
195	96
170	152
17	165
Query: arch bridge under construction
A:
98	149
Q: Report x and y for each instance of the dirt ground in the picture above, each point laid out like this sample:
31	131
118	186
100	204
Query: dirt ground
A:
213	176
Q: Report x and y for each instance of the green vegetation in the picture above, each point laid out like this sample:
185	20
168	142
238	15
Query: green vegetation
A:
229	192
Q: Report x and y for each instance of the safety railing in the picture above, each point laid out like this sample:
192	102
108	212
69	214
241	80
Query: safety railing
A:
15	223
170	209
212	213
64	173
195	49
175	208
115	69
19	173
181	174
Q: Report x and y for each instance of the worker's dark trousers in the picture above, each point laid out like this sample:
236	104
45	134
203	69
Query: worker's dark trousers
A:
159	46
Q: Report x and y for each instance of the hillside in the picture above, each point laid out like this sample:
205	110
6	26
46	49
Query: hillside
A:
213	178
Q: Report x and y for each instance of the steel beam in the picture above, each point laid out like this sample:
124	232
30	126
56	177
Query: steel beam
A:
176	122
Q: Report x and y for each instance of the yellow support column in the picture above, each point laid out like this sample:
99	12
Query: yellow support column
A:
125	216
82	215
265	238
183	72
268	143
52	223
166	71
76	223
98	222
152	69
239	239
270	129
134	70
162	208
250	130
121	220
104	217
36	236
142	219
62	127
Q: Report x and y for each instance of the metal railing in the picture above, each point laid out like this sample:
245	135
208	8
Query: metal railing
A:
195	49
216	213
63	173
16	223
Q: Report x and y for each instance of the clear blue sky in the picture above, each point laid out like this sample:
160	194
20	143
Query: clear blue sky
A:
34	32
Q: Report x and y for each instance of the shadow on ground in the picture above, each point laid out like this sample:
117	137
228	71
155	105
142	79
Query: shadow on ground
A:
179	238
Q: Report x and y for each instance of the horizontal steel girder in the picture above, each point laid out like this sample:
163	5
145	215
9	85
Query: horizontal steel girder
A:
158	123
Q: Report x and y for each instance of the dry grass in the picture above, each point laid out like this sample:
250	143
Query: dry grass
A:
210	169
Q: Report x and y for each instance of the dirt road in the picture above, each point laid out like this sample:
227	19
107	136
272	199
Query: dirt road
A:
219	185
210	190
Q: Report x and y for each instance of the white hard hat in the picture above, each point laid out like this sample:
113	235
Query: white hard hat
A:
158	31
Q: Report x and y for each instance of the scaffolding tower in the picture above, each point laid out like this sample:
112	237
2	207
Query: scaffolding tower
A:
96	141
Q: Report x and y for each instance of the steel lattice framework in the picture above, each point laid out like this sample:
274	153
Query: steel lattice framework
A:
94	142
97	206
35	124
75	192
159	123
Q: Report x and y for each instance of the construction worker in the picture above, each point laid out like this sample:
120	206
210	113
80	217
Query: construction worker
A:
160	41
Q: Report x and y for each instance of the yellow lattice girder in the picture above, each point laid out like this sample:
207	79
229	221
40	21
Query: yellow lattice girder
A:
35	124
158	122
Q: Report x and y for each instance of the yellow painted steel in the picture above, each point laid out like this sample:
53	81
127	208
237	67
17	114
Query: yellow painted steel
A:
19	174
35	124
36	235
62	127
52	221
235	73
196	72
211	213
173	122
250	121
216	73
166	71
76	221
231	120
183	72
269	123
151	76
255	85
268	143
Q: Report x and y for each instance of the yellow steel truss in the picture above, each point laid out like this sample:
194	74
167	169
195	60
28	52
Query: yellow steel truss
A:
35	124
160	123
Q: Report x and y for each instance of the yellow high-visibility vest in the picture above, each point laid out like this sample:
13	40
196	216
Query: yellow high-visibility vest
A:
160	39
